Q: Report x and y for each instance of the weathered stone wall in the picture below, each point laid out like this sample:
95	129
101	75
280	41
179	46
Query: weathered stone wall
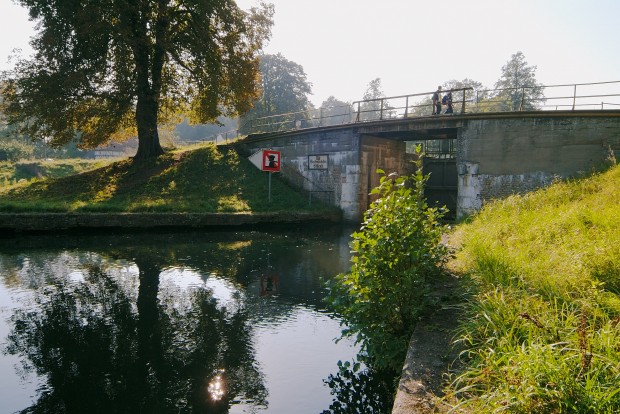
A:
379	153
353	160
498	157
338	182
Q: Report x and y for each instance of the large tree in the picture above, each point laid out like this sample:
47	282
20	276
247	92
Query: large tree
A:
285	90
105	69
518	88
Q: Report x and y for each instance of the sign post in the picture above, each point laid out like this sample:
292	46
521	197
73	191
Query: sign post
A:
267	160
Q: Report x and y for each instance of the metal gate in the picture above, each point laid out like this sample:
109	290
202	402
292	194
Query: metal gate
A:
442	186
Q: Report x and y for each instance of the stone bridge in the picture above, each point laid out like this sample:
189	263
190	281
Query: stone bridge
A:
472	158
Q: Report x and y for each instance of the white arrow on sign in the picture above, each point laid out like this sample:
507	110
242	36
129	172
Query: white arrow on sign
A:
257	159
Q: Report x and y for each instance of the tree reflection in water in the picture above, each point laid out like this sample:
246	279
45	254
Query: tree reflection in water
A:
358	390
101	350
110	332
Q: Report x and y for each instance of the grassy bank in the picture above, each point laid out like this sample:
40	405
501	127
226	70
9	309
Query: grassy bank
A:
542	327
22	172
205	179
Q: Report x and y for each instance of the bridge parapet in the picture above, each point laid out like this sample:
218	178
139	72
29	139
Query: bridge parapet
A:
574	97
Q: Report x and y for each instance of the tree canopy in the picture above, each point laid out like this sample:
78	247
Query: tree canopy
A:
333	111
285	89
516	89
107	69
519	88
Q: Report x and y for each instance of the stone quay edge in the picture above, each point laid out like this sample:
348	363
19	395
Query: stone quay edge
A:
26	222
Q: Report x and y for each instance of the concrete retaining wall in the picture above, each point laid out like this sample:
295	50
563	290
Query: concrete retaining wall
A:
499	157
352	162
20	222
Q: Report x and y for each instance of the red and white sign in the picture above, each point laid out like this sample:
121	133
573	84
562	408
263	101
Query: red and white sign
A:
271	161
267	160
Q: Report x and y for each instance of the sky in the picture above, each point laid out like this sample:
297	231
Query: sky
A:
413	46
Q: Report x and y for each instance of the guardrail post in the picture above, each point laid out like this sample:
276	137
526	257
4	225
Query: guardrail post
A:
574	95
406	105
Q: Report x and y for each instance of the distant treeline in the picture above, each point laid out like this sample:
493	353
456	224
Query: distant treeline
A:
186	132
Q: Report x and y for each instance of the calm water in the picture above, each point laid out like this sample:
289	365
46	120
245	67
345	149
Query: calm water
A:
214	322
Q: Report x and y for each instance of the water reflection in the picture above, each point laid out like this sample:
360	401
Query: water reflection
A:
173	322
358	390
102	351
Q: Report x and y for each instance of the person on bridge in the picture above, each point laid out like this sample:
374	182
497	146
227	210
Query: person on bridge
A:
437	101
447	100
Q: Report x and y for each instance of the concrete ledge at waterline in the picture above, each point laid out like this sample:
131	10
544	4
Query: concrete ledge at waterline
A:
69	221
431	355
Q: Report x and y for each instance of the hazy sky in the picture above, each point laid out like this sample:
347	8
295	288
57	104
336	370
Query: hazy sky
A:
414	45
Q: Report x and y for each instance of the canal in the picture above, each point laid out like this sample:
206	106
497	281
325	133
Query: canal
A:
213	322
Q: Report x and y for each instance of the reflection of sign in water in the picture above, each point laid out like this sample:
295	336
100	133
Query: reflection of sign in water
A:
271	161
317	162
269	284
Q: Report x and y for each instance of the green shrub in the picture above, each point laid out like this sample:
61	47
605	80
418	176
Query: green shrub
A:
397	253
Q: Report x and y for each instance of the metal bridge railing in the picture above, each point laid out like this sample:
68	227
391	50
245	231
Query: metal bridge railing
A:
580	96
404	106
312	118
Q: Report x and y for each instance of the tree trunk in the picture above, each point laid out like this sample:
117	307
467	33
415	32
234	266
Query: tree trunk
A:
146	121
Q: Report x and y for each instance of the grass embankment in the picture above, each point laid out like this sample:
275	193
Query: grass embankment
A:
12	173
204	180
542	326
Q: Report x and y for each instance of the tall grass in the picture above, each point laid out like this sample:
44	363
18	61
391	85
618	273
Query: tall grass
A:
542	330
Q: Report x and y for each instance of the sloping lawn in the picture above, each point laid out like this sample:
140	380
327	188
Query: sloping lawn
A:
206	179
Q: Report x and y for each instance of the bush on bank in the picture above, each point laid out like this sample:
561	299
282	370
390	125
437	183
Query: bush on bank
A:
542	331
396	255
